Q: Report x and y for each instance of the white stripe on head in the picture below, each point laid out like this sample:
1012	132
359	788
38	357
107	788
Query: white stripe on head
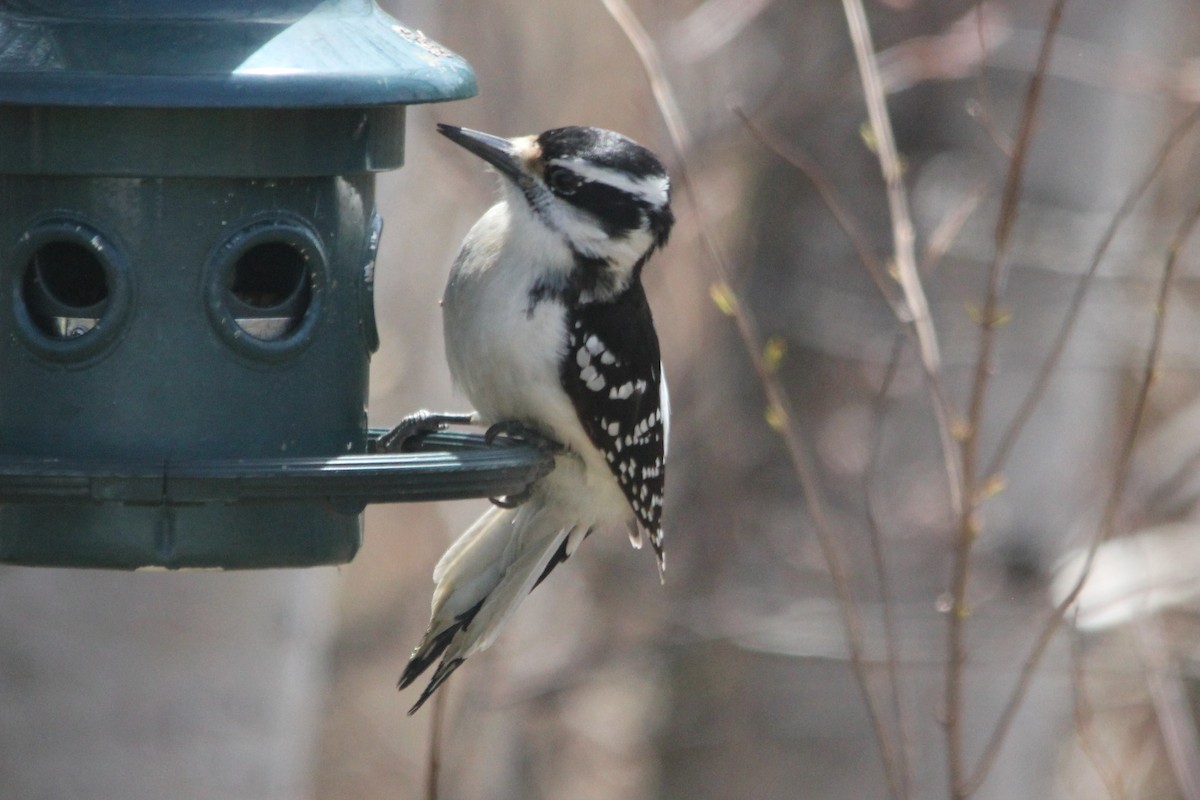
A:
653	189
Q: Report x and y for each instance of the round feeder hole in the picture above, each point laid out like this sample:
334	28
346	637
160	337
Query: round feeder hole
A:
271	290
65	289
70	289
265	284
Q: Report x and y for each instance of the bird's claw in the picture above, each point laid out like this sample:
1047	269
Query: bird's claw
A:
422	422
520	432
513	500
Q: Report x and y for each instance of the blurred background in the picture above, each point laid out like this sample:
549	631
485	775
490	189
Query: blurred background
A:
736	679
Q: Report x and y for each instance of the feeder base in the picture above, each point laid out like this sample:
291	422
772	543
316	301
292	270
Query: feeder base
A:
209	536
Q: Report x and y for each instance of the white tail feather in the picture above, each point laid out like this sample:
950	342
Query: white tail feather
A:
486	574
471	566
470	535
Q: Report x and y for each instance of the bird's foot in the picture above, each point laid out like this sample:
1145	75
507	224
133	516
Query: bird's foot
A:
513	500
520	432
400	438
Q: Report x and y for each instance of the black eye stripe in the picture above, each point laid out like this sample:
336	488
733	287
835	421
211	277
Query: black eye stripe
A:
617	211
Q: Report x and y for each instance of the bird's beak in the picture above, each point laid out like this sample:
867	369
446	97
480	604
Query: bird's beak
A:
495	150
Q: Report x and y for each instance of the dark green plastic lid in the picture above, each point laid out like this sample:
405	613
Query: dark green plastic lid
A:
220	53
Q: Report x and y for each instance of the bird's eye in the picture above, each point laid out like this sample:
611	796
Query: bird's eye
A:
562	181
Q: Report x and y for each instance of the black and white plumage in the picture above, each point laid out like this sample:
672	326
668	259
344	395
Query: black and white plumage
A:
547	326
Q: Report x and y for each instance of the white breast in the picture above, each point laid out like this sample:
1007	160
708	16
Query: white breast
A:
503	354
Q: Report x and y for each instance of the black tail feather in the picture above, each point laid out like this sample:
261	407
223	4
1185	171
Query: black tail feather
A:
560	555
443	671
420	661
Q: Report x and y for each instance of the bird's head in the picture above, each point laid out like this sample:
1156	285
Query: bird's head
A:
607	198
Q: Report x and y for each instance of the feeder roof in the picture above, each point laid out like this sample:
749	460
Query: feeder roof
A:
220	53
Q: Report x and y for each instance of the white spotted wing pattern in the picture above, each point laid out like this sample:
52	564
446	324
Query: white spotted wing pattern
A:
613	373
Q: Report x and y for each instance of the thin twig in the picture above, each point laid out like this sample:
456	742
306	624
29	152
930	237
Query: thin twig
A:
1047	370
903	236
878	272
969	522
891	635
435	746
1111	507
939	242
981	86
778	405
794	157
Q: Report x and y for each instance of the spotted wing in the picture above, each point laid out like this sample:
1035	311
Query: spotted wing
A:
612	372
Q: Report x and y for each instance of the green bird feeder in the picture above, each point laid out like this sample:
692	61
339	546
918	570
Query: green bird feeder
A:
187	245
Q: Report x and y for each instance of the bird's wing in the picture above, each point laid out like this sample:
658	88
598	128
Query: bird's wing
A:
612	371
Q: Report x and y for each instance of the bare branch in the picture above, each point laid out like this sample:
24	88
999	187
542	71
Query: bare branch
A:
984	108
969	522
778	405
903	241
1046	372
434	764
1111	506
799	160
903	237
845	220
891	635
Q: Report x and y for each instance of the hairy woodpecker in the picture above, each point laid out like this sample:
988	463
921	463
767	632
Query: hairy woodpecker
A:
548	333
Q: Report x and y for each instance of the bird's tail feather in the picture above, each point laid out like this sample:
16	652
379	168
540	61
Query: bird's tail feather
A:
482	579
